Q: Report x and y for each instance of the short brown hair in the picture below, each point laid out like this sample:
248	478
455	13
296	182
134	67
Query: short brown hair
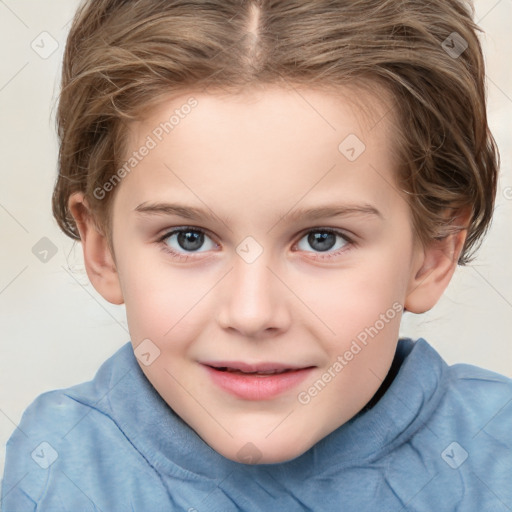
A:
122	56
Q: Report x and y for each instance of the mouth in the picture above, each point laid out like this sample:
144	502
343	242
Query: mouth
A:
257	372
260	381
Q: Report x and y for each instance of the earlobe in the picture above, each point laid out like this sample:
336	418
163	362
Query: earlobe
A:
99	262
433	271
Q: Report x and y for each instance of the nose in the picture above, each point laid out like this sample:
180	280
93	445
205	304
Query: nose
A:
253	301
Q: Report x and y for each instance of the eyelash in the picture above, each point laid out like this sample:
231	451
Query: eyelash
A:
183	229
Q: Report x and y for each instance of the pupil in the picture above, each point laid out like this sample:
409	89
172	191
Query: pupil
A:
322	241
190	240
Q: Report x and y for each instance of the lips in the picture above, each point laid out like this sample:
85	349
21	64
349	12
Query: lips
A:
262	368
258	372
261	381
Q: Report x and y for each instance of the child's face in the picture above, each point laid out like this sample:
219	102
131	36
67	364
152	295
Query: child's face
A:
256	289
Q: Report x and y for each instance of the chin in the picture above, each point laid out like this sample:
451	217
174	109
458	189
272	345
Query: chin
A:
264	451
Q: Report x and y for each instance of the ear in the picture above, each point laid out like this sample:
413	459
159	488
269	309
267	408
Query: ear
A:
99	262
434	268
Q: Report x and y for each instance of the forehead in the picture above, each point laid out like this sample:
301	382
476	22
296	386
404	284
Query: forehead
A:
367	101
269	146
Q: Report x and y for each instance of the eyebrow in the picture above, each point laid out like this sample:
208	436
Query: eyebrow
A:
187	212
198	214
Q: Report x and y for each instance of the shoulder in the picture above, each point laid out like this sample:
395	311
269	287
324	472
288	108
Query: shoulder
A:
466	399
35	446
478	391
55	413
461	403
461	439
460	391
478	402
67	440
474	435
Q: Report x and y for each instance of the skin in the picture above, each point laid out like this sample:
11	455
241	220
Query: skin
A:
270	152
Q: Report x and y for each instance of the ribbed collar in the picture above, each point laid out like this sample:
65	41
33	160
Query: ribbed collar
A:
175	450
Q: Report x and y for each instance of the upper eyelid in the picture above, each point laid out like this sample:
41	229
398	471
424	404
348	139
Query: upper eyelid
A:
337	231
169	232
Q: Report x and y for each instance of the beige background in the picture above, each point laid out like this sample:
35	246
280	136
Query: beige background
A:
56	330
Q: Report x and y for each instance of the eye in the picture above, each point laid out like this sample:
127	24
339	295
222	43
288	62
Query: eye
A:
323	240
186	239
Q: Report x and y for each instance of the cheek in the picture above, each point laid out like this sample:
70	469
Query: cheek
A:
159	300
366	320
346	301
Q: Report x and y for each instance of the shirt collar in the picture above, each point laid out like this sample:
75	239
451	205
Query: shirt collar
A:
175	449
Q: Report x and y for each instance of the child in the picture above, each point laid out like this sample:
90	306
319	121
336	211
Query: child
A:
267	187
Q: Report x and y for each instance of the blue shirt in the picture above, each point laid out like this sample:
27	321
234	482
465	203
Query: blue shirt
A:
438	439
